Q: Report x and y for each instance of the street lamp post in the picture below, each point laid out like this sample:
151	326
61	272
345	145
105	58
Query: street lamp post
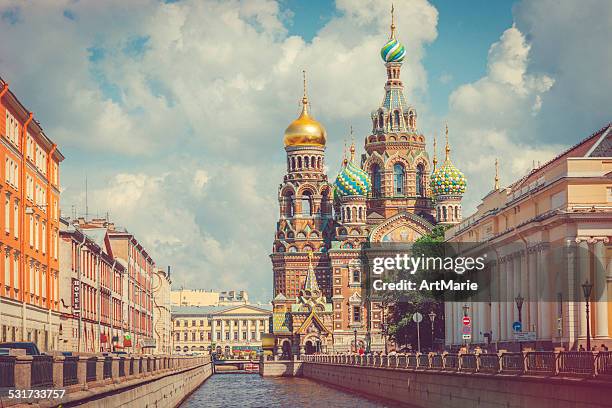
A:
432	317
519	305
587	287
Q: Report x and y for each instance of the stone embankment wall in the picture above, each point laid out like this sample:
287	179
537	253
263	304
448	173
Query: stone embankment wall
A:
428	389
163	391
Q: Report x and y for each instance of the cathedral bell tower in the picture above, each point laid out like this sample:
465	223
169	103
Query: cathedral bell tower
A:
305	202
395	158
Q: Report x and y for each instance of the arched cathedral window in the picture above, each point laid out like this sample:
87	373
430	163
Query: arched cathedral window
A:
444	214
457	213
396	119
306	161
306	203
376	182
420	182
381	120
398	179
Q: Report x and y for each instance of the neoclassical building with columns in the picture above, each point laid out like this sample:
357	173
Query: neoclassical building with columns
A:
551	233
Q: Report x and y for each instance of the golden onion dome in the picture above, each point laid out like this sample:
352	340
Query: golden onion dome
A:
305	131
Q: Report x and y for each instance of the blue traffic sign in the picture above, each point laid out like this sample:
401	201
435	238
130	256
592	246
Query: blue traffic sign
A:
517	326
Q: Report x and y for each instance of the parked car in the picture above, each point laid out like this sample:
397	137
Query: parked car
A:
30	348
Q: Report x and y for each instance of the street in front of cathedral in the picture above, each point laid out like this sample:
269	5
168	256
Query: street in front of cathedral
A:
383	293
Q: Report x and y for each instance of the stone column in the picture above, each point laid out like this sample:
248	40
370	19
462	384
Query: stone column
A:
58	371
222	335
494	327
504	294
257	334
545	317
600	295
82	371
115	369
249	325
231	330
448	326
532	293
584	273
240	330
23	372
516	288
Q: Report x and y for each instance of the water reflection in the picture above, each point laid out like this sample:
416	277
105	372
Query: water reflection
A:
251	390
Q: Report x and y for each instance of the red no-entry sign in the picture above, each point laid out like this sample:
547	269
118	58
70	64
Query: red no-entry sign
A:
467	320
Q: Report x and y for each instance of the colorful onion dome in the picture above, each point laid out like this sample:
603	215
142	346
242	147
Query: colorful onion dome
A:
448	180
352	181
393	51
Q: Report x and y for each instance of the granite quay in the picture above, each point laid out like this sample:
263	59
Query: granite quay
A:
103	380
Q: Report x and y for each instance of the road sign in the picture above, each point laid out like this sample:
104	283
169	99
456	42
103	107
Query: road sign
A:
417	317
467	320
467	329
517	326
467	336
525	336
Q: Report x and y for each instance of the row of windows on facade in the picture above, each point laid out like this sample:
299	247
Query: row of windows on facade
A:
33	151
208	336
216	323
394	119
399	177
304	163
448	213
37	277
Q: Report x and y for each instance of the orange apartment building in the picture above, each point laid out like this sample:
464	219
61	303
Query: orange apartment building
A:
29	231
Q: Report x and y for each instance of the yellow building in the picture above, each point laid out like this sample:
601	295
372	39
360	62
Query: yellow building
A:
558	214
201	297
228	330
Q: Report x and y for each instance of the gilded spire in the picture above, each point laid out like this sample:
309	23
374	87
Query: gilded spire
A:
447	145
344	159
496	174
305	97
435	156
352	146
392	22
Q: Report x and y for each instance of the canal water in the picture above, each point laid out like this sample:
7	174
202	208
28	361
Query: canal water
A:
252	390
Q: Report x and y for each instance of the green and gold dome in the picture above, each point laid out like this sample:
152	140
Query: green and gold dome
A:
447	180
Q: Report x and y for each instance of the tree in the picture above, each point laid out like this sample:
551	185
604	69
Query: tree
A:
402	329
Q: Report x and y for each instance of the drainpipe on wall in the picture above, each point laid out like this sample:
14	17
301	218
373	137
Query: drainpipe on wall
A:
49	225
22	263
78	265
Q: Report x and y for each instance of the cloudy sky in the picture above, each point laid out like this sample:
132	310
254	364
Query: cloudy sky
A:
175	110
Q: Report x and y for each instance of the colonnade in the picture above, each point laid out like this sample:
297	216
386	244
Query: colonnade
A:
549	281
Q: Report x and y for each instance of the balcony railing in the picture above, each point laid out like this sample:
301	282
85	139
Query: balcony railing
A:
541	363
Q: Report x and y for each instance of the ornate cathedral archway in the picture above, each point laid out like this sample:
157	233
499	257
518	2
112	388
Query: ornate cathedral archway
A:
402	227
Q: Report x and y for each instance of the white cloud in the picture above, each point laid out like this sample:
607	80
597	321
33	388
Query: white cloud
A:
494	117
182	107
